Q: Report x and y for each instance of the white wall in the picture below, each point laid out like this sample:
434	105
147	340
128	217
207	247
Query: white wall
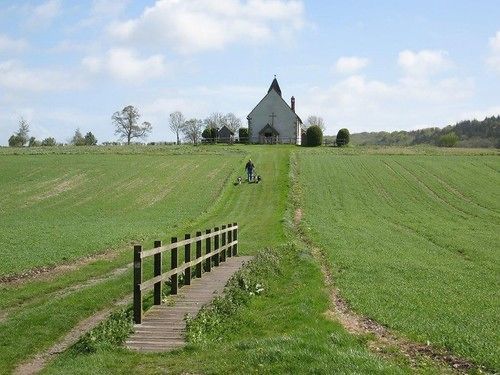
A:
285	121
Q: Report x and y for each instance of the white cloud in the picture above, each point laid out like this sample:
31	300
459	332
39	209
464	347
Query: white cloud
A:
9	44
13	75
494	60
198	25
349	65
42	15
362	104
423	63
125	65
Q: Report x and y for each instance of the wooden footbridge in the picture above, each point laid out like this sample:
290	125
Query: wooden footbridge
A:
163	326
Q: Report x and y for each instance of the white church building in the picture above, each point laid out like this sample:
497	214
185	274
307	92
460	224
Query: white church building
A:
273	120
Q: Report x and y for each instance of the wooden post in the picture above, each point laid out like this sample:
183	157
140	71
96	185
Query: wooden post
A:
208	243
137	284
216	247
235	238
198	255
173	264
187	258
229	240
157	292
223	243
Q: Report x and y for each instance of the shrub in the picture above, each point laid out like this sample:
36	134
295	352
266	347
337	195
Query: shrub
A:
314	136
210	134
16	141
448	140
33	142
49	142
343	137
109	334
90	139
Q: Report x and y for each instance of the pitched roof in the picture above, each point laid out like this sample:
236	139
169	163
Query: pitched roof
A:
274	86
227	130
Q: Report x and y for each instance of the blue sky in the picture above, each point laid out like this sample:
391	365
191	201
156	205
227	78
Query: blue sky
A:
364	65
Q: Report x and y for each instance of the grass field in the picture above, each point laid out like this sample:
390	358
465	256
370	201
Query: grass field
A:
414	242
57	208
412	235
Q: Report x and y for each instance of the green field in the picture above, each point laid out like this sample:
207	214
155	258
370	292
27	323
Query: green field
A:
412	236
414	242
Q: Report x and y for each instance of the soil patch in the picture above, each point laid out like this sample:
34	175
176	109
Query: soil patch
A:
47	272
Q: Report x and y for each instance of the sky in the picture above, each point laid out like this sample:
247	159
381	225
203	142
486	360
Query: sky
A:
363	65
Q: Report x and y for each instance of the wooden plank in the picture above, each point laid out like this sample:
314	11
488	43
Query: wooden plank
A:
137	284
157	293
187	260
173	265
198	255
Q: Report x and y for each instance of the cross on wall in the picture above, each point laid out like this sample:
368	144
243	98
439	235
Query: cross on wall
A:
272	119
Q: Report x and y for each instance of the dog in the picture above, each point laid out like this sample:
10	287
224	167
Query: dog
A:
258	179
239	180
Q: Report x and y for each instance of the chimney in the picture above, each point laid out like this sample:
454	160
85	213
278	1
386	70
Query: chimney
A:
293	104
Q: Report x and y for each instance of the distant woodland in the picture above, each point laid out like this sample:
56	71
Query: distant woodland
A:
469	133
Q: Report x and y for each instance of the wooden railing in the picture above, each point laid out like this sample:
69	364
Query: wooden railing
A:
225	244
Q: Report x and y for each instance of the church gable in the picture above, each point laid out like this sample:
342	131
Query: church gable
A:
272	112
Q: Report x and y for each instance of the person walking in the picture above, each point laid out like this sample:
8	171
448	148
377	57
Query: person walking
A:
249	167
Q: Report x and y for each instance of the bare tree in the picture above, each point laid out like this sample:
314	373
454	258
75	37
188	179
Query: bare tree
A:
126	124
192	130
317	121
176	123
232	122
214	121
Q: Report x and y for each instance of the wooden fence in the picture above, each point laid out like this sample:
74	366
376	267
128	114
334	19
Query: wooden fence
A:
225	244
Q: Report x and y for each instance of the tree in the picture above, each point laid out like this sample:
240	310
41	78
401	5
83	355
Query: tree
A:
49	142
210	134
448	140
24	130
20	138
16	141
176	122
126	124
90	139
192	130
232	122
316	121
33	142
243	135
214	121
342	137
314	136
78	139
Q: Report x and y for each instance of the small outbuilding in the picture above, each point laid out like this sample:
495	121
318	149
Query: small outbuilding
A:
225	135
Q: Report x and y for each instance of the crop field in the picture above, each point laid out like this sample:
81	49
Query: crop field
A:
56	208
412	236
413	241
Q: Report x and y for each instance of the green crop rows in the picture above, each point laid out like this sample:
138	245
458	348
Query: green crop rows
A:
412	236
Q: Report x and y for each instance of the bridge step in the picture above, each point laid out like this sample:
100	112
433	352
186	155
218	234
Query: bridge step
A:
163	327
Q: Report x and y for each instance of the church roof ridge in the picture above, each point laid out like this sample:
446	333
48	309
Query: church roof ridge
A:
275	86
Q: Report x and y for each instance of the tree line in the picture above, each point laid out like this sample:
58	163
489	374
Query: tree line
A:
128	127
468	133
21	138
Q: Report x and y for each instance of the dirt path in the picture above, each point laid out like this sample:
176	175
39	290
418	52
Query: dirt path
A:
47	272
36	364
382	339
